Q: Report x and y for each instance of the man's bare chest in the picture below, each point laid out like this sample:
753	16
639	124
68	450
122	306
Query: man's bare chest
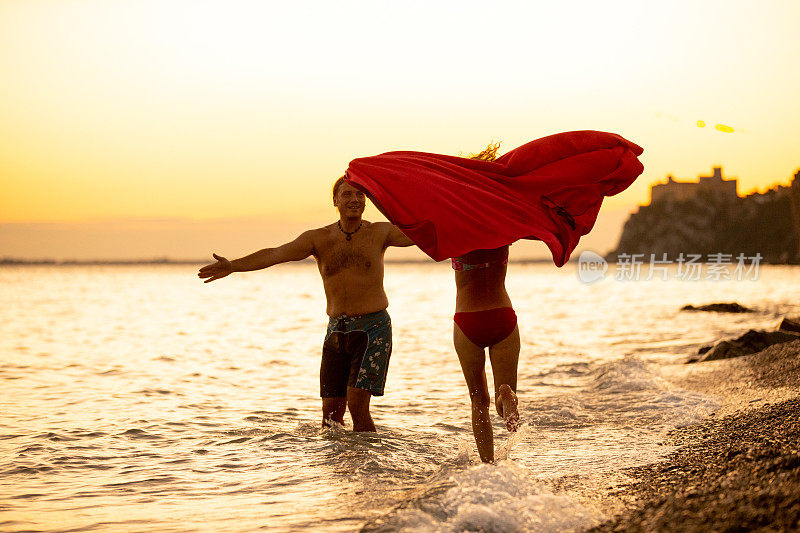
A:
360	257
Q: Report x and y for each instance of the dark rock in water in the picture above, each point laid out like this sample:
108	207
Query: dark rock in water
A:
724	350
790	325
700	352
751	342
732	307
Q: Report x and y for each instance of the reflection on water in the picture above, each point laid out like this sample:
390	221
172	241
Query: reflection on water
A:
138	398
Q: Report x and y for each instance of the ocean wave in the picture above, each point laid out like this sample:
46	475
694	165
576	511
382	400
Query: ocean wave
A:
491	498
632	392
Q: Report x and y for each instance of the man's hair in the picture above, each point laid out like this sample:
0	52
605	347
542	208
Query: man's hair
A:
336	185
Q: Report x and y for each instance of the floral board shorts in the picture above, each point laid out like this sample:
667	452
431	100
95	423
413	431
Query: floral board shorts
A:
356	354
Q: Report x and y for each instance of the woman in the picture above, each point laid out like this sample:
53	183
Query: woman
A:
470	209
484	319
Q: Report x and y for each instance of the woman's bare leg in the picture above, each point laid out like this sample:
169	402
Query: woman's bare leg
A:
504	357
472	361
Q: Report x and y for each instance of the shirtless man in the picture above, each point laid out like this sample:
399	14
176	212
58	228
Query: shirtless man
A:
358	343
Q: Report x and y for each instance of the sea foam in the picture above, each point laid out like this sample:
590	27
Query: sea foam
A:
491	498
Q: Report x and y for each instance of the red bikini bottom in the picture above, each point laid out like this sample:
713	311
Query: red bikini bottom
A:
487	328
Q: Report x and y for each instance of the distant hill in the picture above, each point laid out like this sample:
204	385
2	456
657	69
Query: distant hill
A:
708	219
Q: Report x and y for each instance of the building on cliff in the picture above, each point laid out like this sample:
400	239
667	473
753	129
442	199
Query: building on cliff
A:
678	191
708	217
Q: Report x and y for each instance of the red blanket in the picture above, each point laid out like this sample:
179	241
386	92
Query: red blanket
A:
549	189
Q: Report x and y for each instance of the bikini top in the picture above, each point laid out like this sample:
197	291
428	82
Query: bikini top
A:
477	259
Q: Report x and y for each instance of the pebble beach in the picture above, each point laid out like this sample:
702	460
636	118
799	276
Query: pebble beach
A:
739	470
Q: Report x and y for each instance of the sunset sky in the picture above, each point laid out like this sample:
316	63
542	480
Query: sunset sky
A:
187	125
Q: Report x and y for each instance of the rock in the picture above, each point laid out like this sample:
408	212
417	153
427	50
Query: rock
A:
751	342
732	307
723	350
700	352
790	325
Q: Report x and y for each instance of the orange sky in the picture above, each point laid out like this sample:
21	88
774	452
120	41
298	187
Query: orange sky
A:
203	111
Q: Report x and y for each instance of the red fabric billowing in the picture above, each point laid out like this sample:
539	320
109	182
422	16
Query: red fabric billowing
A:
549	189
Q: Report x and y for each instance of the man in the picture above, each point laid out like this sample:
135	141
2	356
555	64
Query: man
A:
358	343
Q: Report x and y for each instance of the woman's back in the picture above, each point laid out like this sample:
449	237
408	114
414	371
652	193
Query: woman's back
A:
480	280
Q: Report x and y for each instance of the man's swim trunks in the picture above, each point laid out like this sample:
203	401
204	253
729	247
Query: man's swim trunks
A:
356	354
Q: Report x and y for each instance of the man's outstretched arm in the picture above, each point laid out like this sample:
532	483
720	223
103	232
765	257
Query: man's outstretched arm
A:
397	238
297	250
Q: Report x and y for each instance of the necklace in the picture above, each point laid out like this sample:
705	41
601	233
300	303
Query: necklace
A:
349	233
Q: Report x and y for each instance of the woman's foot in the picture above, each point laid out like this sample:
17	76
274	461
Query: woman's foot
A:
506	402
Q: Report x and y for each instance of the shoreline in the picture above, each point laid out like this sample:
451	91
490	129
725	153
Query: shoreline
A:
15	262
739	469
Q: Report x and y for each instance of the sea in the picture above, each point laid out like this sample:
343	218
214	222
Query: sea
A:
137	398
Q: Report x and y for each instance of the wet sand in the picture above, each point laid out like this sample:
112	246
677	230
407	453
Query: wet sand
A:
738	470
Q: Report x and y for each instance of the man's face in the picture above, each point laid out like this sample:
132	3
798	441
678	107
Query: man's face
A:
349	200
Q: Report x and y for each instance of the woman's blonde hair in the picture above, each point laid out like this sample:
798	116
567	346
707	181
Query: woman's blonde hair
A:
488	154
